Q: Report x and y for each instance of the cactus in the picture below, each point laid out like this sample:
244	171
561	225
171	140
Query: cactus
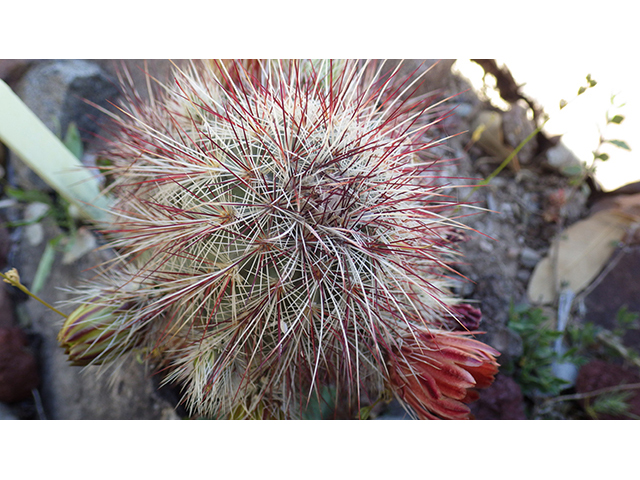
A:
279	227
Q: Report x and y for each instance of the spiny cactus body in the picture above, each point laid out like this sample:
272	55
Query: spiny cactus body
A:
279	229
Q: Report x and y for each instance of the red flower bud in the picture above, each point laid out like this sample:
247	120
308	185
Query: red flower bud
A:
435	372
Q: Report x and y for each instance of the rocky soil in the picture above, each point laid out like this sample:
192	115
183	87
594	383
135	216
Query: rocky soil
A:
519	213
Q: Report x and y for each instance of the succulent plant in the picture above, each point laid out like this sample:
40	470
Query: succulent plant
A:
279	227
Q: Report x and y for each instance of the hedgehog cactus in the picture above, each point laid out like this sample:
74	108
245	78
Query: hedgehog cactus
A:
279	229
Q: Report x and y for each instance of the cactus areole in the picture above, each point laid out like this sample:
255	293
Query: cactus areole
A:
281	228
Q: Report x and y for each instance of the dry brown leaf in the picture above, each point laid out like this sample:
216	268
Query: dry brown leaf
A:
581	252
488	135
629	204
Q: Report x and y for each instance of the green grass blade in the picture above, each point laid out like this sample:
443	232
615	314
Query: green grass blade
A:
23	132
45	265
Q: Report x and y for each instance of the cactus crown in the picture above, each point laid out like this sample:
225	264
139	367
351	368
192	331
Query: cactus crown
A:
277	229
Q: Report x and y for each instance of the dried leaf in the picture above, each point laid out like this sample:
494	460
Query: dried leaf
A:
541	288
581	252
489	136
629	205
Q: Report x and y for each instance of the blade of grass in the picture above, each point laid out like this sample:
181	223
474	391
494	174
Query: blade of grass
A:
45	264
23	132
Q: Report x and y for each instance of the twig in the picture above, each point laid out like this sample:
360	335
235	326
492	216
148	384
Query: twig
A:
610	340
594	393
506	160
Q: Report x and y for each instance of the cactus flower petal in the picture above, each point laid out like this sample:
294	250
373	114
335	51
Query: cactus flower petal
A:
435	373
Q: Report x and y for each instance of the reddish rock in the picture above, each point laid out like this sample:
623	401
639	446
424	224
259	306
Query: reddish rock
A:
18	368
503	400
598	374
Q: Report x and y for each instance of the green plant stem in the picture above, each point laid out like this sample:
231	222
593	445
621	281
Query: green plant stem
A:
507	160
365	412
19	285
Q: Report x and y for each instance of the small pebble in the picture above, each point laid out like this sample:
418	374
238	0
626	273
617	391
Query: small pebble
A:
512	253
507	210
463	109
529	257
485	246
523	275
34	233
